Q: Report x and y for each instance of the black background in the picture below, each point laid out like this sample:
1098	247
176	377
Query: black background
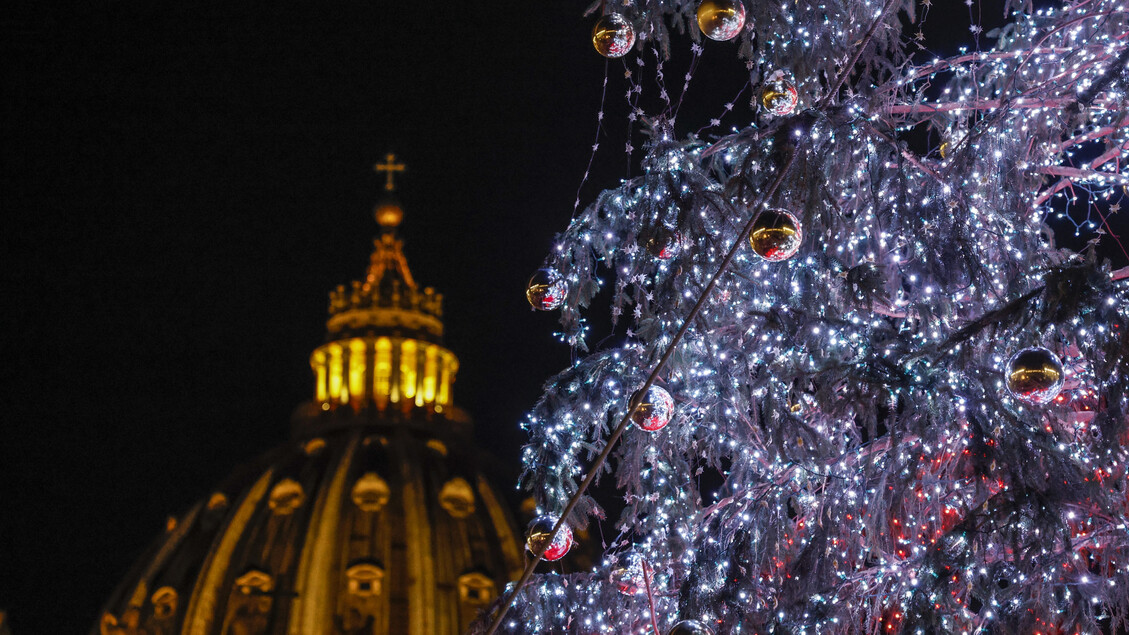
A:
182	185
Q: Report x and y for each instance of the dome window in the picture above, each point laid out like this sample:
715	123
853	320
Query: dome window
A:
217	501
365	579
286	497
475	588
313	446
457	498
164	602
371	493
438	446
254	582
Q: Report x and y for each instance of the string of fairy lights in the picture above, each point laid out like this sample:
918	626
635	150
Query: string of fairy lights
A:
914	402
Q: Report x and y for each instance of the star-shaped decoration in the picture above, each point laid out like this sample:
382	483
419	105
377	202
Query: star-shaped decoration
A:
1115	208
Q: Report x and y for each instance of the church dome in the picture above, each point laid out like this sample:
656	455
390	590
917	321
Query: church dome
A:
374	518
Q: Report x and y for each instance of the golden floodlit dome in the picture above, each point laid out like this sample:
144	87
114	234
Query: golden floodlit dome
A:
373	519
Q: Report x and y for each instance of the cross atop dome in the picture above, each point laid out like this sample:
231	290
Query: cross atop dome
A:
390	167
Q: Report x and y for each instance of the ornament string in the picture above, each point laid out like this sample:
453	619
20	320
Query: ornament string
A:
595	141
635	403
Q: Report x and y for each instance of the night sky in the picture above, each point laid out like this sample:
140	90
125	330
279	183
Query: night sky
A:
182	184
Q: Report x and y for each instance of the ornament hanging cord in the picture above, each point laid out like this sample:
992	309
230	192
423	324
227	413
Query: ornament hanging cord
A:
634	403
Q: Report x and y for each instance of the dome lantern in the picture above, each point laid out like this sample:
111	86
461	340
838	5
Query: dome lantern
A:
384	348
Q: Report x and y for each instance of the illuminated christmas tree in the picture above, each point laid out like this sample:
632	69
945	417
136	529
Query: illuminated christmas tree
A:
857	387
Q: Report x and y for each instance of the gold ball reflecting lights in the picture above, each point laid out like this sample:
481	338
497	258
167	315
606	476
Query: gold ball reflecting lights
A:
776	235
613	36
780	96
1035	375
721	20
537	538
546	290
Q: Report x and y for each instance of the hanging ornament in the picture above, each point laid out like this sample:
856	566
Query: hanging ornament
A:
690	627
776	235
664	243
655	409
546	290
799	402
721	20
779	95
1035	375
537	538
629	576
613	36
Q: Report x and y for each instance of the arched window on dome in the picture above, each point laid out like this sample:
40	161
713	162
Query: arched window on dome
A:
365	579
457	498
249	607
286	496
371	492
364	585
476	590
164	602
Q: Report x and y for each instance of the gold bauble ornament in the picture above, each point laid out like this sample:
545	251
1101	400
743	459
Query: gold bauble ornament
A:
546	290
1035	375
779	95
721	20
631	574
776	235
663	243
537	538
613	36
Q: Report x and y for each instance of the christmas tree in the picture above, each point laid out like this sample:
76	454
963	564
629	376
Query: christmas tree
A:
856	386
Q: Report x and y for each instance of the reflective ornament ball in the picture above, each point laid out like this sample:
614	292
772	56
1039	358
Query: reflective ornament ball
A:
655	409
664	243
546	290
537	538
690	627
1035	375
613	36
776	235
628	576
779	95
721	20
